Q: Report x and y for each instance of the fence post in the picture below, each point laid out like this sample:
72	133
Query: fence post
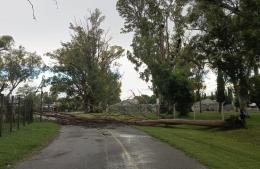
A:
31	111
41	109
12	114
18	113
24	112
1	114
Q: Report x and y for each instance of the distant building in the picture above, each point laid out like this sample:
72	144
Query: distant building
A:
210	105
132	106
206	105
129	102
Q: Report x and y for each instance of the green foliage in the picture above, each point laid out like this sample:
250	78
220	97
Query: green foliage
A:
84	66
6	42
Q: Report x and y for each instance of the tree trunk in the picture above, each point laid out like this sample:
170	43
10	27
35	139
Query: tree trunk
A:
236	88
243	104
86	105
256	70
174	111
222	111
220	107
243	93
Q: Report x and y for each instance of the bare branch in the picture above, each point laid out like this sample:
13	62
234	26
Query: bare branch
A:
34	17
56	3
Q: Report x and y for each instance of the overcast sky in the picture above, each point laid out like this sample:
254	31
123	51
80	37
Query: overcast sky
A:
51	28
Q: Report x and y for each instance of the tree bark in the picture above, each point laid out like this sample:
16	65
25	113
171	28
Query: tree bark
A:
86	105
243	104
220	107
174	111
222	111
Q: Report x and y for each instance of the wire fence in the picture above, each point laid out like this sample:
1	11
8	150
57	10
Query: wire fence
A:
15	113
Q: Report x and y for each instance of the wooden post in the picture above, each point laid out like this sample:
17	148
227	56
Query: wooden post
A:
18	113
41	110
1	114
158	107
174	111
12	114
24	112
222	111
31	111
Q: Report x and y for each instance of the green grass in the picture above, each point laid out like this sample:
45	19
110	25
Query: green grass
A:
20	144
217	149
118	116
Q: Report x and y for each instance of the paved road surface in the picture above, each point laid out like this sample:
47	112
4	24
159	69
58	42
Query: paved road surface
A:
118	147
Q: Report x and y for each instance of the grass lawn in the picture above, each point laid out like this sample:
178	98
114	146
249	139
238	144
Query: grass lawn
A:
118	116
17	145
217	149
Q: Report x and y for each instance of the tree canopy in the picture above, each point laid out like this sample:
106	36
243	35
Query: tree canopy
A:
84	66
17	65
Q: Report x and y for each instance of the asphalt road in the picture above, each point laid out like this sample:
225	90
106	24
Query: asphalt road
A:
118	147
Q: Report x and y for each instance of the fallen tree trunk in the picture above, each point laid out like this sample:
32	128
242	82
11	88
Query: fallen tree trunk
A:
210	123
68	119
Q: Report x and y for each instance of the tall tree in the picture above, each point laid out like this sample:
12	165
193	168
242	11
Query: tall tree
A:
84	65
157	43
220	91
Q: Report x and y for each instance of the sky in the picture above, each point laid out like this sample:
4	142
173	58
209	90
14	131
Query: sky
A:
51	27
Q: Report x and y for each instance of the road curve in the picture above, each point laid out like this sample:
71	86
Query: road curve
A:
112	147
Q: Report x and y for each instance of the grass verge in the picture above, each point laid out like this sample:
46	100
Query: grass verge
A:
22	143
217	149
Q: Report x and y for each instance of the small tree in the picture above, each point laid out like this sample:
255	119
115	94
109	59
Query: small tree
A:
19	66
175	88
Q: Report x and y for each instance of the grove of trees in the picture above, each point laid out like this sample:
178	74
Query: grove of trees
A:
177	41
175	44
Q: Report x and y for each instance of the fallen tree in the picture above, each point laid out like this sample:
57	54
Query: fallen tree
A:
68	119
210	123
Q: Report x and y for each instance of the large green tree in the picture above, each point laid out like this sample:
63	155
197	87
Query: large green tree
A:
84	66
157	43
